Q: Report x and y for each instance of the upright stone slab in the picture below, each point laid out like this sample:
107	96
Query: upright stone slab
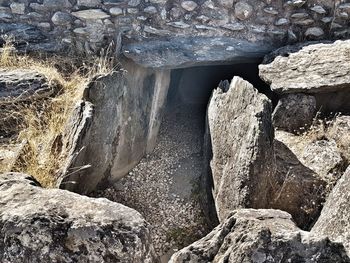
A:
242	145
125	109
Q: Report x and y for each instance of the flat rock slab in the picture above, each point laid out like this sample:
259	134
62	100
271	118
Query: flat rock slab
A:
185	52
51	225
315	68
258	236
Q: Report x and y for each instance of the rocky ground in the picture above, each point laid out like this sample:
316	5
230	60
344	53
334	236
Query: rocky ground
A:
163	187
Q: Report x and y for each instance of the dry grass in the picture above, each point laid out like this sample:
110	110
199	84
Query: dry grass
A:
43	121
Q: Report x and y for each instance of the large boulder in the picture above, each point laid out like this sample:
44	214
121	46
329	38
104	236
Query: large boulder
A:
313	68
241	135
122	116
52	225
334	220
258	236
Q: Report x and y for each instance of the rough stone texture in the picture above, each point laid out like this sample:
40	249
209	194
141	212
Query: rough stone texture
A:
324	157
294	112
51	225
181	52
242	137
125	122
272	237
321	155
98	23
74	141
297	189
24	84
335	217
314	68
17	87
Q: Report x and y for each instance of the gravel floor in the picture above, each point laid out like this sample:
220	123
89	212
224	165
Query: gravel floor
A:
163	186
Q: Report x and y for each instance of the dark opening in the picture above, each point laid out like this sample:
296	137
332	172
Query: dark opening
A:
194	85
183	126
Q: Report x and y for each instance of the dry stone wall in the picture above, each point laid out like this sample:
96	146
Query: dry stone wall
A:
89	25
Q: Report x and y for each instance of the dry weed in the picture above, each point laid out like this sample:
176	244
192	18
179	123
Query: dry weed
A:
42	122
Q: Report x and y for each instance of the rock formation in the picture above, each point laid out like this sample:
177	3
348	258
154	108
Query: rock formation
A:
272	237
334	220
242	138
313	69
19	86
51	225
127	109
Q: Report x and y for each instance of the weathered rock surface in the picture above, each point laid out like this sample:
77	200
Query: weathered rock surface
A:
180	52
16	87
51	225
271	237
294	112
242	144
321	155
335	216
24	84
297	189
127	108
314	68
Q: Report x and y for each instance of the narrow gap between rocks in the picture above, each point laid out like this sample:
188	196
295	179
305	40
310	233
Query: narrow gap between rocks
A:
165	186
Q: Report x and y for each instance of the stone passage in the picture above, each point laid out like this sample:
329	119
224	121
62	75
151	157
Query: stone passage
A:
164	186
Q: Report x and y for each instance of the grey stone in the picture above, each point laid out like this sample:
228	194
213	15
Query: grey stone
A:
18	8
24	85
234	27
243	10
282	22
91	14
115	11
226	3
314	32
150	10
89	3
296	3
241	135
335	216
318	9
294	112
134	2
179	52
56	4
61	19
52	225
189	5
297	189
258	236
110	150
312	68
270	10
324	158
